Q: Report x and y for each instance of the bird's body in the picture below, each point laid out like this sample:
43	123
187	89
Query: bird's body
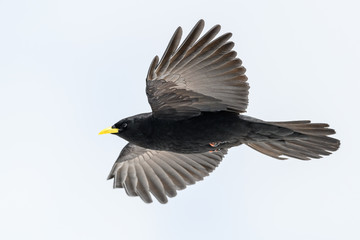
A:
207	132
191	135
198	92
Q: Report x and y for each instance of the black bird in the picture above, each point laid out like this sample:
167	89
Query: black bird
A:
197	93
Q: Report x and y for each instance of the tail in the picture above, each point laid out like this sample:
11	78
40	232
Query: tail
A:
306	141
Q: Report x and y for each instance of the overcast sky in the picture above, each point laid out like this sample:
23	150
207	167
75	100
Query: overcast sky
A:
68	69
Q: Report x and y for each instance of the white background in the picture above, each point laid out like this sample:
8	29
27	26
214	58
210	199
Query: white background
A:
68	69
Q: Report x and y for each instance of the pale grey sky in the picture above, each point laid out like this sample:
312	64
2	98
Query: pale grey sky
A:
71	68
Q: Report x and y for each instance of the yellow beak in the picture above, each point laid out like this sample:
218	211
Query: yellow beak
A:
109	130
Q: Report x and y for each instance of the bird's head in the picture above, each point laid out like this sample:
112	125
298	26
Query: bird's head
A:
121	128
129	128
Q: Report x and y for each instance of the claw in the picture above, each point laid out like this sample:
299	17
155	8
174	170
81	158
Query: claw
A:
216	150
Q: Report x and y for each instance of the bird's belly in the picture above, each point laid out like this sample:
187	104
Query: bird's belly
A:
175	143
201	134
181	144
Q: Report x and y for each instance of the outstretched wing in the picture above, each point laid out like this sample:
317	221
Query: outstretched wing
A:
200	75
143	171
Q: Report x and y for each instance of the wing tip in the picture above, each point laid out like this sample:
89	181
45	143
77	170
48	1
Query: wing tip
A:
151	71
200	24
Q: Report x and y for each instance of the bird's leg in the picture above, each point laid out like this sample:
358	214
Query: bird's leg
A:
214	144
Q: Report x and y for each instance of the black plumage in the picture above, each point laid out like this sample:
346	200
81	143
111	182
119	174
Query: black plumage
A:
197	92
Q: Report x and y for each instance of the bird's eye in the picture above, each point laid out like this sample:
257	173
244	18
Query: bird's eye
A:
124	125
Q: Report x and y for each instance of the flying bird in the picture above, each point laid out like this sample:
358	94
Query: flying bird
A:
198	93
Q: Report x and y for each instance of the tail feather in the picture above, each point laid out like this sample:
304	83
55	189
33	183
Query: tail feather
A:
306	127
313	143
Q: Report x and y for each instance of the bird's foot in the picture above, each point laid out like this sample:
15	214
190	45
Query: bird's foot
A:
216	150
214	144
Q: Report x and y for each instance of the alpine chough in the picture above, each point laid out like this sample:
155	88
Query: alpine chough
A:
197	93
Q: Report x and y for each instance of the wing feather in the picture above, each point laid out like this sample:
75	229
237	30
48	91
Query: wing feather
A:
155	185
143	171
142	188
174	43
200	75
130	182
